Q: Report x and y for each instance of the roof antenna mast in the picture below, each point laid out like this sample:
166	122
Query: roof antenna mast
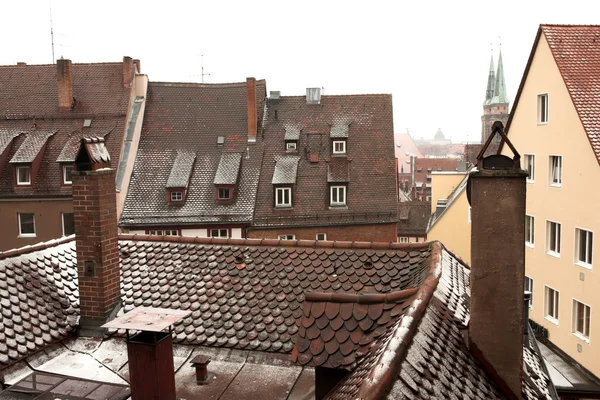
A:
202	55
52	34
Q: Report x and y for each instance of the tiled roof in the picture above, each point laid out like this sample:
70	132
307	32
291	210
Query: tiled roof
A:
339	131
575	51
285	170
228	169
425	166
370	156
338	170
6	137
292	132
96	149
31	147
181	169
416	216
185	116
71	148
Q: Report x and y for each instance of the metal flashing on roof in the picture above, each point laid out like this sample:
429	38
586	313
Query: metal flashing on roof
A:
292	133
131	124
285	170
339	131
31	147
228	169
181	169
147	319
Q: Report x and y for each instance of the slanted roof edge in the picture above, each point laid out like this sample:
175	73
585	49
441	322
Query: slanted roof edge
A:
36	247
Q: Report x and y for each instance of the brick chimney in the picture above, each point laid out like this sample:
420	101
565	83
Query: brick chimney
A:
496	191
95	211
64	81
128	71
252	112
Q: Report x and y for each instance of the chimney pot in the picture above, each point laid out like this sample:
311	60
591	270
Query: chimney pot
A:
252	111
200	362
21	64
64	81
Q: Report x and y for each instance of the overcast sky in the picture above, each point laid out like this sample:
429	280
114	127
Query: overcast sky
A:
432	56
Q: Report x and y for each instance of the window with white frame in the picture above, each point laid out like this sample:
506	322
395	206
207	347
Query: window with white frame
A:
68	223
23	175
551	311
529	288
26	224
67	171
530	167
164	232
555	169
581	319
283	197
219	233
404	239
584	242
176	196
529	230
321	236
287	237
339	147
553	233
542	106
338	195
291	146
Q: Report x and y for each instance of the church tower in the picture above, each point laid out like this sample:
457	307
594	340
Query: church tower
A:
495	106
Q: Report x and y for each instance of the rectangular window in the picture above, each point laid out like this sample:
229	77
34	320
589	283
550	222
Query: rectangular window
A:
23	176
403	240
321	236
584	242
551	304
529	288
283	197
287	237
581	319
223	194
219	233
290	146
542	108
164	232
338	196
26	224
68	224
530	167
67	174
555	169
529	230
553	238
176	196
339	147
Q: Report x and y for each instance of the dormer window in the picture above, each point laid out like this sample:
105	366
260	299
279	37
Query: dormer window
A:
67	173
338	196
283	196
181	172
339	147
223	194
24	176
176	196
226	177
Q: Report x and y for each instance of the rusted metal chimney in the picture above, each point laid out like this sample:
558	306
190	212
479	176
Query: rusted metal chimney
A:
150	352
200	362
496	191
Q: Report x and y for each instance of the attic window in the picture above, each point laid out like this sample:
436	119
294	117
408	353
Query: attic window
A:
223	194
176	196
290	146
220	140
339	147
67	173
87	123
24	176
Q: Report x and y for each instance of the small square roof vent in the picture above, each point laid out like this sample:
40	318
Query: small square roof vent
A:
220	140
87	123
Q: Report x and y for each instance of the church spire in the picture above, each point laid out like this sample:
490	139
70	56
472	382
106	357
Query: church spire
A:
500	87
489	93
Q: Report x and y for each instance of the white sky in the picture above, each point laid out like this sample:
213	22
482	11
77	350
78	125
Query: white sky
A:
433	56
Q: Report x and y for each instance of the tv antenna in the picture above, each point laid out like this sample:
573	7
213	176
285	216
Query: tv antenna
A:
52	34
203	74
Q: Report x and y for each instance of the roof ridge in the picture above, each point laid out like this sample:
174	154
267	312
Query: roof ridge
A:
203	85
339	95
370	298
35	247
54	65
571	25
279	242
381	377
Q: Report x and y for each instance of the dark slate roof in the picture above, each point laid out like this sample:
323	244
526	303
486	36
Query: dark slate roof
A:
286	170
370	146
186	116
413	218
29	104
181	169
228	169
31	147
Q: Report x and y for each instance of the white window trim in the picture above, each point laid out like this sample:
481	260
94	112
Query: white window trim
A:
324	236
578	335
64	173
548	251
163	232
527	242
176	192
539	108
529	178
283	189
291	146
579	263
338	203
548	317
550	166
343	142
531	291
285	237
210	231
26	235
19	183
404	239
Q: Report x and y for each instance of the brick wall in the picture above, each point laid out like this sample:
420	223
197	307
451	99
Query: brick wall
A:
95	208
358	233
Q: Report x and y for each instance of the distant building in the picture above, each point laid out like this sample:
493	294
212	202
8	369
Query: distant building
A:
417	182
495	106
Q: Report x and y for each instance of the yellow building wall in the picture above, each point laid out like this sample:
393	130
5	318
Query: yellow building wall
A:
453	228
575	204
442	184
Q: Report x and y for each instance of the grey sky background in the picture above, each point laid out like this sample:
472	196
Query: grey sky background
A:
432	56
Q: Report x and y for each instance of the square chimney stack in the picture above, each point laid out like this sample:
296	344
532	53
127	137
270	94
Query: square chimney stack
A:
64	83
252	111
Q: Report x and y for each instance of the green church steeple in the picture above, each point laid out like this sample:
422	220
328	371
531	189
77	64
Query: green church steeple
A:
489	93
500	96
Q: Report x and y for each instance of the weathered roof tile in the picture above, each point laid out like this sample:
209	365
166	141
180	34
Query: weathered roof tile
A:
181	169
228	169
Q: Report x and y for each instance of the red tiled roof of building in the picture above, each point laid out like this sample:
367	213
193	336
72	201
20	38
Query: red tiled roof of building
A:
405	147
425	166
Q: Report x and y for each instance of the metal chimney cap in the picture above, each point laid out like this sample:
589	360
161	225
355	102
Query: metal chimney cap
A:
200	359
